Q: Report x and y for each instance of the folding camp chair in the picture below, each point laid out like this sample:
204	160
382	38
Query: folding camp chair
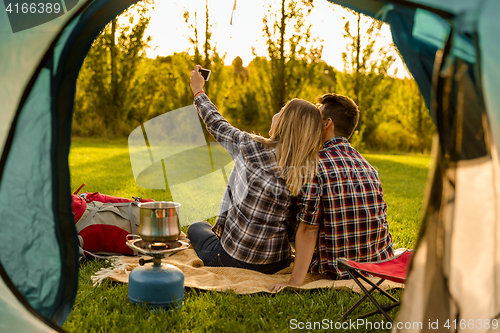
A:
393	269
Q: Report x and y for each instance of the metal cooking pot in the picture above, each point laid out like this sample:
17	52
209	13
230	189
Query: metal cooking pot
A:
159	221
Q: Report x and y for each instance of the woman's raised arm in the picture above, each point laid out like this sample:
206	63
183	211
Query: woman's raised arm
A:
226	134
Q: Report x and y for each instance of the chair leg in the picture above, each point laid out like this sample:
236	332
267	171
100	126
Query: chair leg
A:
379	307
389	296
359	301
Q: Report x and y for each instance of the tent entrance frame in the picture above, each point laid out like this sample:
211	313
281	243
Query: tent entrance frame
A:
62	95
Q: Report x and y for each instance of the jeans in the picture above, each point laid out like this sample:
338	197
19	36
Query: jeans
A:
208	247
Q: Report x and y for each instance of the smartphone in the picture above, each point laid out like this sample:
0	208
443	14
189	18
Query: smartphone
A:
205	73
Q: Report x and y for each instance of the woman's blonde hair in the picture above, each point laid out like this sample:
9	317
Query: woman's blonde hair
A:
297	139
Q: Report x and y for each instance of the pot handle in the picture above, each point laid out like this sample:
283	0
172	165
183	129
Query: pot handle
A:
129	237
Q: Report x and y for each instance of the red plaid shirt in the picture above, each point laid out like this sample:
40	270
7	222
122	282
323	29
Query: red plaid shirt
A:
346	201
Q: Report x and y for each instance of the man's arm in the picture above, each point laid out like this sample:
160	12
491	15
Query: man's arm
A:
305	241
310	218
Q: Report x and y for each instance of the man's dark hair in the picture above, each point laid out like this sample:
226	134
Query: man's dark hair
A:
343	112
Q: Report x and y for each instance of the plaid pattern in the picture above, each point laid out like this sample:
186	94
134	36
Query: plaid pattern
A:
346	201
254	213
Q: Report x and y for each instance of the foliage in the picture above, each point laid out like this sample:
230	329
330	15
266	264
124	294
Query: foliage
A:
167	85
406	124
119	88
243	103
365	78
292	51
194	40
106	102
211	60
293	69
393	115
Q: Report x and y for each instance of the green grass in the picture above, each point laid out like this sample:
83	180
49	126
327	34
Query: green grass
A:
404	178
105	167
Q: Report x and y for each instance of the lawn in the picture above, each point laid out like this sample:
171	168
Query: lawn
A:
106	167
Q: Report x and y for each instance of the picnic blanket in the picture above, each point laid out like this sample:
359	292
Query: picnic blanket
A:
240	281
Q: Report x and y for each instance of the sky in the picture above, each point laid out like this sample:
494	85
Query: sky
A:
170	32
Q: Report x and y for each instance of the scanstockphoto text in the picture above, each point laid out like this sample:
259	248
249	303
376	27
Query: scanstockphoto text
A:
443	325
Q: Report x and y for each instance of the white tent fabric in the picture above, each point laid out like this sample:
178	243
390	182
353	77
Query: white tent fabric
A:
468	252
488	29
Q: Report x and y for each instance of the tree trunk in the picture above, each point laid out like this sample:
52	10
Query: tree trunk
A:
114	77
207	45
420	130
281	76
207	38
197	56
358	51
357	72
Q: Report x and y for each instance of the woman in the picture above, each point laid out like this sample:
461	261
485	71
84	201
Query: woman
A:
251	227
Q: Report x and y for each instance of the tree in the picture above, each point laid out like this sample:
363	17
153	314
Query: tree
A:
167	83
241	106
365	78
208	34
211	59
194	40
406	125
292	52
107	85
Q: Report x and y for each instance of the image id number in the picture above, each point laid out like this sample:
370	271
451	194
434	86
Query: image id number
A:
471	324
41	8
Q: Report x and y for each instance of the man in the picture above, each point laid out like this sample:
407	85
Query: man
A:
342	211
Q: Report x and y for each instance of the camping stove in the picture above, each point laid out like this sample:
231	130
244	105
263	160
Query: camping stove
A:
154	284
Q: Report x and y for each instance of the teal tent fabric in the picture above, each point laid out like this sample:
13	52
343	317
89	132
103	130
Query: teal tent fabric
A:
434	30
14	317
454	7
26	195
38	250
21	54
37	253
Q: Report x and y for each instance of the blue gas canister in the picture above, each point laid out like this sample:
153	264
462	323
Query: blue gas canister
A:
156	285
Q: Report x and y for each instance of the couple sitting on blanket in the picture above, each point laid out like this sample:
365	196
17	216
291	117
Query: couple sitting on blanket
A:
308	160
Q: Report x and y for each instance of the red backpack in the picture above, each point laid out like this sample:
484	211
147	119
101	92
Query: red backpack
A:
103	222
